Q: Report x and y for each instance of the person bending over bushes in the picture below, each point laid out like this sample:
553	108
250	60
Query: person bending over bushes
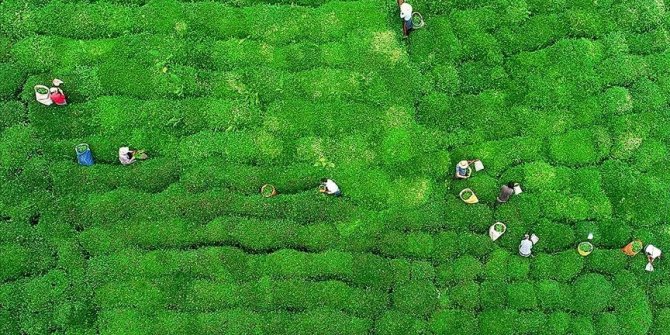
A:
57	96
329	187
463	170
53	95
127	156
526	246
652	253
506	191
406	15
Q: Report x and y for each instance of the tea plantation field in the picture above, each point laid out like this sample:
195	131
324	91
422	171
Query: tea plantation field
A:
569	98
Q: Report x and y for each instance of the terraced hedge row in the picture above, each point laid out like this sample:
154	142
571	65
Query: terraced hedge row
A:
565	97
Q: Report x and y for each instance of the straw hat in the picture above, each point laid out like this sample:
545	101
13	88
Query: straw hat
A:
463	164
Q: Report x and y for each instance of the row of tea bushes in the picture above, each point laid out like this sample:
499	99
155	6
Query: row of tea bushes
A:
84	20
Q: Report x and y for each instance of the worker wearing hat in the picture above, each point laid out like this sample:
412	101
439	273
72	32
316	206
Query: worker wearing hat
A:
57	96
463	170
406	16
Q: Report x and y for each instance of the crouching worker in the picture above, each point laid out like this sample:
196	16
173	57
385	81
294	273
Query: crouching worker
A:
49	96
329	187
127	156
57	96
652	253
506	192
526	246
463	170
406	16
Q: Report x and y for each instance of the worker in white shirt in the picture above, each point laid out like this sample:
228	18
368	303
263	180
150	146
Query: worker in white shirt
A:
127	156
526	246
329	187
406	15
652	253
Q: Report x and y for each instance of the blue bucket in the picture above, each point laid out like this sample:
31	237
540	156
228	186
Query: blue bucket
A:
84	155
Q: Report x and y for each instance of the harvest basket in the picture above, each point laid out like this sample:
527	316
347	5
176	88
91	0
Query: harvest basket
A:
268	191
417	20
585	248
468	196
496	230
632	248
84	155
42	95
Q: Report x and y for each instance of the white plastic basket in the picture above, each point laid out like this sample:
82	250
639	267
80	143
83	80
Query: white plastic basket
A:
42	95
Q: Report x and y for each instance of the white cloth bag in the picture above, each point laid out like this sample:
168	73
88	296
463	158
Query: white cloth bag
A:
43	98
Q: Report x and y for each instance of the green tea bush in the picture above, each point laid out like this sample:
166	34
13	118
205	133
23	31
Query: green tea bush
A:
496	264
538	31
521	296
559	236
593	293
661	295
583	325
558	323
607	323
639	16
606	261
562	267
634	312
137	294
446	246
17	146
622	70
394	322
465	268
492	295
14	261
531	321
452	322
465	296
580	147
655	41
14	113
446	49
498	321
565	97
553	295
647	96
12	79
416	298
415	245
446	79
662	322
518	269
588	23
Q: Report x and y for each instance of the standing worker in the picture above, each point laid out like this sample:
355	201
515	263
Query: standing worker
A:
406	15
506	191
330	188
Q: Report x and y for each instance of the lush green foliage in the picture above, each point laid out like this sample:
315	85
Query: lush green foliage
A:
567	97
